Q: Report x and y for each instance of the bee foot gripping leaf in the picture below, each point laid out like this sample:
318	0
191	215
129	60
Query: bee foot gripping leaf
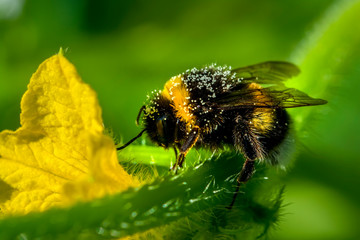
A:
59	155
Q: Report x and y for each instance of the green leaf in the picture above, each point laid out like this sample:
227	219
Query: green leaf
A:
208	185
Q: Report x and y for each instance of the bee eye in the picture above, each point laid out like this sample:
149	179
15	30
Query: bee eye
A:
160	125
164	130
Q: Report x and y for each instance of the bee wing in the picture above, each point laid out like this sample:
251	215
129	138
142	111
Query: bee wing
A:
267	72
270	97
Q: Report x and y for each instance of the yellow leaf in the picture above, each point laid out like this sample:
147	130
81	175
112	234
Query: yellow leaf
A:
59	155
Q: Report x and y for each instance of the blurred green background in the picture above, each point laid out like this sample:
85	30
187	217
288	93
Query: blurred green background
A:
125	49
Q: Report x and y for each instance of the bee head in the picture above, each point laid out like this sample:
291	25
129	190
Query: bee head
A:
160	122
160	125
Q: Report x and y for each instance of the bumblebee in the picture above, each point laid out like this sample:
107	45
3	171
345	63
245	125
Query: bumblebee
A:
215	106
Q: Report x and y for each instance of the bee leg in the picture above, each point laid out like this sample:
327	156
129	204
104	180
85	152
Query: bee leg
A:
186	146
181	160
176	158
176	152
245	174
248	143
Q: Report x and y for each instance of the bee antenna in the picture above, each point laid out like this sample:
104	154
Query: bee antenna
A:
139	114
133	139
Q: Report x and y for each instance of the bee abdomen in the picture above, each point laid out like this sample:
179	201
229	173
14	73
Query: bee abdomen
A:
279	141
